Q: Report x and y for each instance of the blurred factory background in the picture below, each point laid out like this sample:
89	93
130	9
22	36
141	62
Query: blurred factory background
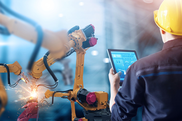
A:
120	24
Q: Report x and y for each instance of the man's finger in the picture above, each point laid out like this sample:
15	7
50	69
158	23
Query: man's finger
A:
111	71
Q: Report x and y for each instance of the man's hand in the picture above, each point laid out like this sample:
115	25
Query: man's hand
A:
114	79
114	85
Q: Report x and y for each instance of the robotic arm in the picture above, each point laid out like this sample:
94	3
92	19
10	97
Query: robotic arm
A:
94	103
59	44
53	41
75	39
16	69
3	97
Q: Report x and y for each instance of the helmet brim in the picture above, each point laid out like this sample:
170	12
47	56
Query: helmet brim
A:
169	30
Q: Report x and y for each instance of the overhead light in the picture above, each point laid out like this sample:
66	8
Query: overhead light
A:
3	43
94	52
60	15
81	3
47	5
148	1
106	60
6	43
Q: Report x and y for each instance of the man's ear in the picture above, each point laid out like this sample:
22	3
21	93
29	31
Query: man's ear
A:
162	31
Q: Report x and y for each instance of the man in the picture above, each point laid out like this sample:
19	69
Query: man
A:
154	82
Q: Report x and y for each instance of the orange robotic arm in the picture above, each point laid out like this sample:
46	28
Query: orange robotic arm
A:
90	101
3	97
58	43
16	69
75	39
53	41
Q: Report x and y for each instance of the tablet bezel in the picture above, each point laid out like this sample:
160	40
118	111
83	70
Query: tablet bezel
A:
111	59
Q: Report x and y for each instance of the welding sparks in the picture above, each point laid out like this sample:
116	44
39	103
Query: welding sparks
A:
27	93
24	88
23	98
34	93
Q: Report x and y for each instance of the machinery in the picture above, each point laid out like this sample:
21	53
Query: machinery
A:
66	72
95	104
3	97
16	69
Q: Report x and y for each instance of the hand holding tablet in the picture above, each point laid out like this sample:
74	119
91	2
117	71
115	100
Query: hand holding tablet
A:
121	60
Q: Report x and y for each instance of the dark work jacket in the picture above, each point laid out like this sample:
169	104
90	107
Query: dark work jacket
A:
154	82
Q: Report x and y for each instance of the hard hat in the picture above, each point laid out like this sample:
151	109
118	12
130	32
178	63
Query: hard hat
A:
169	16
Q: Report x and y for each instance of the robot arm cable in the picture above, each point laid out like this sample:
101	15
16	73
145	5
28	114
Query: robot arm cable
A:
49	86
61	92
37	47
48	68
50	72
54	71
17	15
67	54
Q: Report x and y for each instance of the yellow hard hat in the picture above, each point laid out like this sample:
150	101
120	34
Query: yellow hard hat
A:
169	16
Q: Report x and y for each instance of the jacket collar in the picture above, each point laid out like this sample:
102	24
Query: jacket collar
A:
172	43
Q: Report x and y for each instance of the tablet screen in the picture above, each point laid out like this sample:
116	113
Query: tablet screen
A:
122	60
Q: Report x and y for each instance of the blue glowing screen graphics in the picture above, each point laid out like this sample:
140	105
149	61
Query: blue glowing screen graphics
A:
122	61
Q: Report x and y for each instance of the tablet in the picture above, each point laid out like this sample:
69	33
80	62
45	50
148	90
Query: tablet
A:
121	60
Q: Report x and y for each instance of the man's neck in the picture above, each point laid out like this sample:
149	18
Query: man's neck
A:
170	38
